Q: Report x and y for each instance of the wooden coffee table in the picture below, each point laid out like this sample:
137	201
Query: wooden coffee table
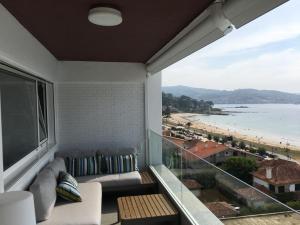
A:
146	208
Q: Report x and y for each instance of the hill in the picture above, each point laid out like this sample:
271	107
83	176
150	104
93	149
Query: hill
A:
239	96
187	104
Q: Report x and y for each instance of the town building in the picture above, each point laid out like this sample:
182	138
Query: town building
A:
211	151
222	209
278	176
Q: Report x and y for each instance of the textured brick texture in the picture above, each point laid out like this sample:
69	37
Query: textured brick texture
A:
100	115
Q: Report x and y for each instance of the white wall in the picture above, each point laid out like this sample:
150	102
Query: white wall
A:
80	71
20	49
292	187
154	118
260	182
154	102
100	105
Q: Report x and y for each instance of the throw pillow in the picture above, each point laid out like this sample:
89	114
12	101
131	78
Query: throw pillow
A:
43	190
67	189
84	166
67	177
121	163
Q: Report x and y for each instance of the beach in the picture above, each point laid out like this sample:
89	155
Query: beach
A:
183	118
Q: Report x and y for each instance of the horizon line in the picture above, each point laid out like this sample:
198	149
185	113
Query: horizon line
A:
297	93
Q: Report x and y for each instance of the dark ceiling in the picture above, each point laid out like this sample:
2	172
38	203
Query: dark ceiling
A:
63	28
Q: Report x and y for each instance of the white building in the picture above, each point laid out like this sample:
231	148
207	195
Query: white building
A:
278	176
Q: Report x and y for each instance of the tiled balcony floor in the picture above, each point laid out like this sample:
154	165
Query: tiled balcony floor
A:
109	209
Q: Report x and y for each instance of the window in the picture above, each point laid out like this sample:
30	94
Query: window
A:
272	187
297	187
23	115
281	189
42	104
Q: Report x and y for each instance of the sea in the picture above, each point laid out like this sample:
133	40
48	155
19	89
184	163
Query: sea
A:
279	122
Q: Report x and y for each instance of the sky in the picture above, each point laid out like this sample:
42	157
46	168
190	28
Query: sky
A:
264	54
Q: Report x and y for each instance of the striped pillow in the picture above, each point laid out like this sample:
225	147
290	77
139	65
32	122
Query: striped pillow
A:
84	166
121	163
68	190
64	176
100	165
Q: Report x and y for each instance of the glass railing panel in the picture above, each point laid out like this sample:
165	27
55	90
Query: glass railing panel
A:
226	196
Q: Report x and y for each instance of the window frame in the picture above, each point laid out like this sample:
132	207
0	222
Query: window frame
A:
38	111
14	172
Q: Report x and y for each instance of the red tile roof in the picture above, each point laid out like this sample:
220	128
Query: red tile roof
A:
206	149
283	172
222	209
250	193
177	141
199	148
192	184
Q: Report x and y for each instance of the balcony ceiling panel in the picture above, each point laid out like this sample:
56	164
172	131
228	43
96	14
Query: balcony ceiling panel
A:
62	26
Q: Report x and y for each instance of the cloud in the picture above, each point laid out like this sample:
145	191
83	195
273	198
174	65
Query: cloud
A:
255	40
264	54
280	25
277	71
238	42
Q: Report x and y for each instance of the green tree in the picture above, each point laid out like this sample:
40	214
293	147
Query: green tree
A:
229	138
209	137
167	112
287	152
233	143
261	151
242	145
223	140
186	104
240	167
216	138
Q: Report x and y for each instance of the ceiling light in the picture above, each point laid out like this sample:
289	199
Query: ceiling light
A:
105	16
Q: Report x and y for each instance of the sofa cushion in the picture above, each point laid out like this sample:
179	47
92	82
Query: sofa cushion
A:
121	163
67	188
43	190
87	212
113	180
57	165
83	166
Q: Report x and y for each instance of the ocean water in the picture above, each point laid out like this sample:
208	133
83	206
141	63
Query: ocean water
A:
272	121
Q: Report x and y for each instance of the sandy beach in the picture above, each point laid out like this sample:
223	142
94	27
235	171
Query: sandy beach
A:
183	118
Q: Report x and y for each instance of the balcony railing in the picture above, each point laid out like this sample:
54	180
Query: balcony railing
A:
227	197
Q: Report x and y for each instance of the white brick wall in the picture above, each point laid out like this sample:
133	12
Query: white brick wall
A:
99	115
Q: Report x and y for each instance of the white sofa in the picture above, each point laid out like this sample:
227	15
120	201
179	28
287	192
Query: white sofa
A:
109	182
50	211
87	212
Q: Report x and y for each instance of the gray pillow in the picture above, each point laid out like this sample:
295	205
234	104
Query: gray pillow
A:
57	165
44	193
